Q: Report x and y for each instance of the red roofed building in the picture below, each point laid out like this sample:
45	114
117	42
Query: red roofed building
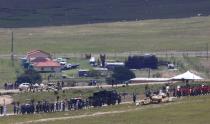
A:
37	54
47	66
42	61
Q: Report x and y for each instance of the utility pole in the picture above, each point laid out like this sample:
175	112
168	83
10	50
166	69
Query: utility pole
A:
12	49
207	51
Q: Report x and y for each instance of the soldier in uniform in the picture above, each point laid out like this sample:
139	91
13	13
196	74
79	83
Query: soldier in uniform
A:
134	98
63	106
1	109
18	108
14	108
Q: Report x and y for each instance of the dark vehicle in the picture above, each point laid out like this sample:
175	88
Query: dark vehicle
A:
75	103
27	109
104	97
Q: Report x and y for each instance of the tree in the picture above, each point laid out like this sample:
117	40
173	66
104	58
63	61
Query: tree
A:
94	73
122	74
29	76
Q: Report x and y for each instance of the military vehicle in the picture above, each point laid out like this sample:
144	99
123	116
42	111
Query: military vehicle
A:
104	97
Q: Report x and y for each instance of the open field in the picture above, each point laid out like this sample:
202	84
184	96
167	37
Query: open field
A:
8	73
148	35
189	110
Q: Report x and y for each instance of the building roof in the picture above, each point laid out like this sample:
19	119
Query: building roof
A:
31	53
47	63
35	51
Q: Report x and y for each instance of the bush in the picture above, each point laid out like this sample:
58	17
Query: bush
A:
29	76
122	74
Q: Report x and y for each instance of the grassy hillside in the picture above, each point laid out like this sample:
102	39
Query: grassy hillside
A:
30	13
190	110
149	35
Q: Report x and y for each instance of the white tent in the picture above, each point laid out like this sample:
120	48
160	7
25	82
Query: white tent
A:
187	76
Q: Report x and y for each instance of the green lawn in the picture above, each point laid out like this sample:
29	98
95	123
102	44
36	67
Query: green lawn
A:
8	73
84	93
190	110
146	35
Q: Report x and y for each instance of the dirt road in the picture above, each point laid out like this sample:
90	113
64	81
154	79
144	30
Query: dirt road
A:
3	91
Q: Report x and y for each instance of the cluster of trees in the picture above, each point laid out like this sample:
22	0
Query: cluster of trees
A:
29	76
139	62
120	74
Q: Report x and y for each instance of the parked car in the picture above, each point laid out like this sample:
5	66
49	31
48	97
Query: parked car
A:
71	66
24	86
53	87
35	85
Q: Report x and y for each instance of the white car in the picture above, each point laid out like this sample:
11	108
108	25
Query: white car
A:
35	85
24	86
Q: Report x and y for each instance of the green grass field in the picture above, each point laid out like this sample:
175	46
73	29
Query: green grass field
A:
8	73
147	35
189	110
84	93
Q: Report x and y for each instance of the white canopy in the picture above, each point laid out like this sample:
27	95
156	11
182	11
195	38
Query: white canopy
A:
187	76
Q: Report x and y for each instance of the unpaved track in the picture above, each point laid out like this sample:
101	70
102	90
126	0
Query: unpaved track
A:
3	91
104	113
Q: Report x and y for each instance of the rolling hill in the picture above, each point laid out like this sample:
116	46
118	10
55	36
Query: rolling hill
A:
33	13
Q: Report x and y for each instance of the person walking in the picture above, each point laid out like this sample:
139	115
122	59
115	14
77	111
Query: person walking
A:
134	98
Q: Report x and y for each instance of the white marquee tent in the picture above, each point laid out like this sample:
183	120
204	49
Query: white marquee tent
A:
187	76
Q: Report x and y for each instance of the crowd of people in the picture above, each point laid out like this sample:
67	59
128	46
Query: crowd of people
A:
10	86
178	91
192	90
78	103
45	106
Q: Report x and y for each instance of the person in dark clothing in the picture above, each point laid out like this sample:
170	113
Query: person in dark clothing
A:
18	108
134	98
1	110
14	108
62	84
63	106
5	86
119	99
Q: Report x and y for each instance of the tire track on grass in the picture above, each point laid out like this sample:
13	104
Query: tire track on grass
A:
105	113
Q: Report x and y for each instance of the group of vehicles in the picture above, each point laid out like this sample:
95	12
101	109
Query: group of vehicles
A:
157	98
65	65
28	86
